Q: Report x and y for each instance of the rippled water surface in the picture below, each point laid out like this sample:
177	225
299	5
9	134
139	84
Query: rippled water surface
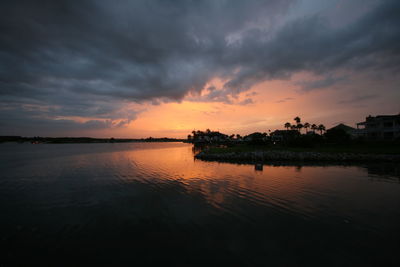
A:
145	203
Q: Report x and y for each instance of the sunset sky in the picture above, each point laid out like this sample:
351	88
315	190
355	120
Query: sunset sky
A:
163	68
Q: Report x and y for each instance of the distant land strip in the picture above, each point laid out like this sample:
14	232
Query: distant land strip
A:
65	140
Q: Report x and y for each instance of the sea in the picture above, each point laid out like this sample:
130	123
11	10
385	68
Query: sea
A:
141	204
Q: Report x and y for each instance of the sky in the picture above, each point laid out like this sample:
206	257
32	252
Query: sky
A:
133	69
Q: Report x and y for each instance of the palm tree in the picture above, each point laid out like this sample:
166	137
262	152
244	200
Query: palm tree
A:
321	128
306	126
314	127
287	125
297	120
189	137
299	126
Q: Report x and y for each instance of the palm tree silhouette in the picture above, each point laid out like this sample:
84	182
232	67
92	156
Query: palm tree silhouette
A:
299	126
321	128
287	125
306	126
314	127
297	120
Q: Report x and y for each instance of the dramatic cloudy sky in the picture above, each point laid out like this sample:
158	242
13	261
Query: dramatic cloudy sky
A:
163	68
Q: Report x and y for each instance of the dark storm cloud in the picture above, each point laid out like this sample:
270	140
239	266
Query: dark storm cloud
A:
39	120
326	82
130	49
89	58
357	99
310	44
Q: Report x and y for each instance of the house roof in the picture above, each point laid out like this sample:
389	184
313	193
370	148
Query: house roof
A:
344	127
388	116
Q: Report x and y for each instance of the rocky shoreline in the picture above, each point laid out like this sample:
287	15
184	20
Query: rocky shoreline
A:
266	156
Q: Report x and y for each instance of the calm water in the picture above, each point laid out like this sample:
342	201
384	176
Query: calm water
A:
119	204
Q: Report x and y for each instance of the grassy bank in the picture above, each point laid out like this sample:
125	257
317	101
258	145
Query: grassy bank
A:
326	153
364	148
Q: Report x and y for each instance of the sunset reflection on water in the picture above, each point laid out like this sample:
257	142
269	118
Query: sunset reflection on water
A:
305	190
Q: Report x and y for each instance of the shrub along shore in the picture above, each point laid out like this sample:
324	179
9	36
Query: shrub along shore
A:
249	154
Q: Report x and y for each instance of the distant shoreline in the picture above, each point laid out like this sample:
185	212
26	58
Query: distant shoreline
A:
80	140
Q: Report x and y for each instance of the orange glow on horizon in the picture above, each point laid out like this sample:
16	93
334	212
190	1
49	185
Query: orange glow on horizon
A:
273	104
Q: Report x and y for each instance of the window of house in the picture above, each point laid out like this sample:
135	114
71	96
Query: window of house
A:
388	135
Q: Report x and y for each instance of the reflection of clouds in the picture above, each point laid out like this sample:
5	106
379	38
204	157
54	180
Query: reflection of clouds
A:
298	190
220	183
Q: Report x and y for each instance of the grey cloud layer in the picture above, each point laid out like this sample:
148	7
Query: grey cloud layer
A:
88	58
137	50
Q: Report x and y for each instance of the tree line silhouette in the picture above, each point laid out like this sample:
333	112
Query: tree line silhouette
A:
298	126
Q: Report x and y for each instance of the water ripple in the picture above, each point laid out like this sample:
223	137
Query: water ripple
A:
140	196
